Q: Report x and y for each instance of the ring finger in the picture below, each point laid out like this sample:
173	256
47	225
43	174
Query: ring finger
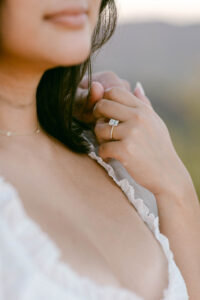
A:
111	109
103	131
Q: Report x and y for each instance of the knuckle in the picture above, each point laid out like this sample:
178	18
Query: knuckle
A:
134	131
113	92
110	93
100	104
127	84
117	81
112	75
128	146
138	116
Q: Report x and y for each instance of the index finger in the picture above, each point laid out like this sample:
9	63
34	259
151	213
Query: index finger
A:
123	96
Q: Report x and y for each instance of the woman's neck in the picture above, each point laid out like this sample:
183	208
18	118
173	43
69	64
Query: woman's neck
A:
18	85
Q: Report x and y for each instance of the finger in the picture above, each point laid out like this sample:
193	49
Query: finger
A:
81	96
110	109
83	108
111	149
97	92
126	85
84	82
122	96
107	80
102	131
139	93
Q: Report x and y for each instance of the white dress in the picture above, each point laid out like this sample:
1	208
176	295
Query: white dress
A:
30	265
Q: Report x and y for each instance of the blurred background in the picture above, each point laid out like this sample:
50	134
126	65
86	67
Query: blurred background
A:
157	42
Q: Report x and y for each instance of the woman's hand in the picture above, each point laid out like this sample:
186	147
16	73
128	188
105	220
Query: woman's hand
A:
141	142
100	82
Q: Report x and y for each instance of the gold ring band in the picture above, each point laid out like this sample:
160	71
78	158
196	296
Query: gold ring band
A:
111	133
113	123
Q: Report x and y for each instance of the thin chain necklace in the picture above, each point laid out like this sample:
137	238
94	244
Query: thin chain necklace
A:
11	133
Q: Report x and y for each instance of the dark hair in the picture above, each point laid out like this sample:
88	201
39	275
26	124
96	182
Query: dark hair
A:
58	86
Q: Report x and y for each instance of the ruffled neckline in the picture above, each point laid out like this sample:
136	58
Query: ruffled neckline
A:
46	255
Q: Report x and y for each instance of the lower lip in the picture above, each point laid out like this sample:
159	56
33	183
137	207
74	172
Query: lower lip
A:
72	21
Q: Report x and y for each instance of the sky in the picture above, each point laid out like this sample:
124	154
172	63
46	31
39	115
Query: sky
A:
175	11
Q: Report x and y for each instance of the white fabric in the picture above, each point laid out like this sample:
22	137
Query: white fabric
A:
30	266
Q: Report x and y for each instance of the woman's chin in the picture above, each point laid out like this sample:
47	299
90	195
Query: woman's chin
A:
77	60
71	59
67	52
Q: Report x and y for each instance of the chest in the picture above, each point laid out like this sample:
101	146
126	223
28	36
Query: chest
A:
98	231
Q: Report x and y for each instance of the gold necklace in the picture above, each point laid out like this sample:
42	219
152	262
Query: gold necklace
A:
11	133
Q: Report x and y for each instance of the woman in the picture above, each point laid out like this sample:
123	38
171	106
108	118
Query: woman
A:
68	229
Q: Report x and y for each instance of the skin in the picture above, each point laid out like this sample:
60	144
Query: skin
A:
100	82
142	143
46	173
23	63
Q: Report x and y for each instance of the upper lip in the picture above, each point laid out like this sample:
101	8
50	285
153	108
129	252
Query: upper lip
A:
73	10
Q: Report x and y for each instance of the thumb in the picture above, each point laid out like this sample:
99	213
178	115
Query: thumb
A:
83	108
140	93
97	92
84	82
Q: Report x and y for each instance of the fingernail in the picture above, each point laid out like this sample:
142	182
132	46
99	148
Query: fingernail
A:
140	87
108	89
98	84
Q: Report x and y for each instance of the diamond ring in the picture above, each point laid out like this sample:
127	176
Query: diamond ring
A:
114	123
